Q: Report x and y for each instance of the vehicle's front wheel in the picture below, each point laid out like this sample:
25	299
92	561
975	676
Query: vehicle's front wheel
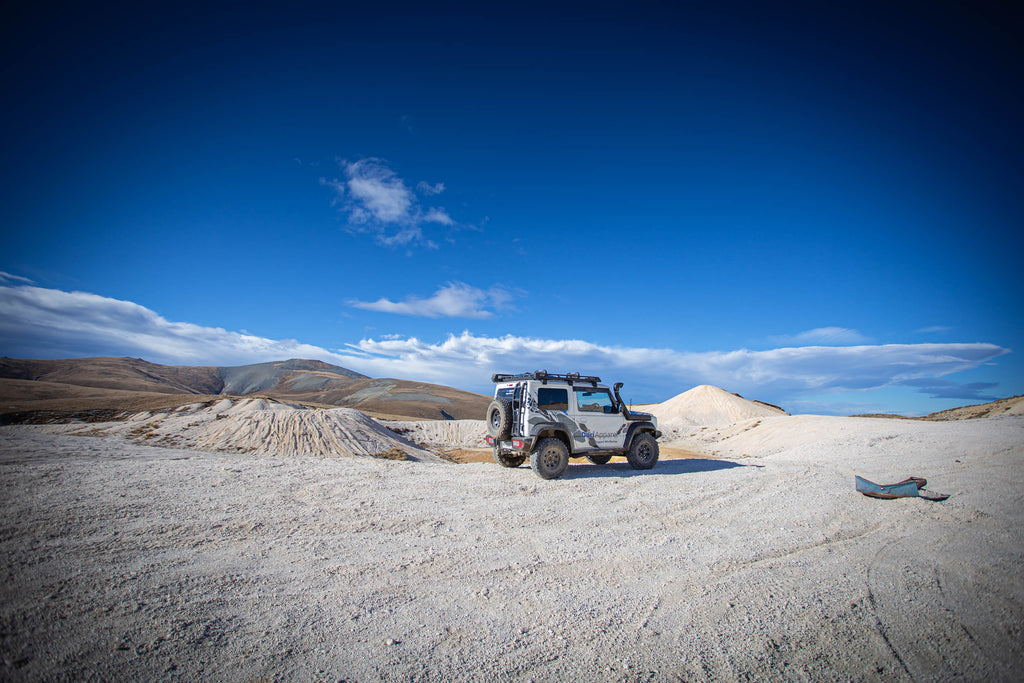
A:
599	459
508	460
643	452
550	458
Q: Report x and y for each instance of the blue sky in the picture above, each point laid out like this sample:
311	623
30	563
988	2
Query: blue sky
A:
815	206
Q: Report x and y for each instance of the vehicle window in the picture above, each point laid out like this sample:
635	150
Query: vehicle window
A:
594	401
505	393
552	399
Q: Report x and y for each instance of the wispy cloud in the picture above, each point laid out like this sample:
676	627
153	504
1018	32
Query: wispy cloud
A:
376	201
943	388
436	215
935	329
379	193
430	190
453	300
7	277
827	336
38	322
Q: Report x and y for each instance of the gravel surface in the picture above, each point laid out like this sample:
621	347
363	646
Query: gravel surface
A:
124	561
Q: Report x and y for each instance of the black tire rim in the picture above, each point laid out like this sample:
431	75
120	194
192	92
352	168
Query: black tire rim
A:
550	459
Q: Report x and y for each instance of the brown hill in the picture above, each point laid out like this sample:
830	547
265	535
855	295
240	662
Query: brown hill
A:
80	384
385	397
1004	406
39	402
294	374
128	374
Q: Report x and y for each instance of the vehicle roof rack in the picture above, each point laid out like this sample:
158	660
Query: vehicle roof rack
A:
544	376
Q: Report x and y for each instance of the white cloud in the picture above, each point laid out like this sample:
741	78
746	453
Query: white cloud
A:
453	300
41	323
828	336
378	202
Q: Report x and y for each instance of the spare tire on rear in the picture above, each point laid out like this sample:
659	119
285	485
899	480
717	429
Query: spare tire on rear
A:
499	418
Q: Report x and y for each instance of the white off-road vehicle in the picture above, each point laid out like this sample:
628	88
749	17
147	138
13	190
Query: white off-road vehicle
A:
551	418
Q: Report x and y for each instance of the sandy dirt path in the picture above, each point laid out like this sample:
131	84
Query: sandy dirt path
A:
131	562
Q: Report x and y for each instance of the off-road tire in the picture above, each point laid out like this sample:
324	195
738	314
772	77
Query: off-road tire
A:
599	459
508	460
643	452
499	419
550	458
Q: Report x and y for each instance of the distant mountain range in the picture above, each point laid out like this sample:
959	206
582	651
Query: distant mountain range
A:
104	382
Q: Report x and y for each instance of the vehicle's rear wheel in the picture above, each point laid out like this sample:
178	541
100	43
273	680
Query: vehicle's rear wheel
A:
499	418
550	458
599	459
508	460
643	452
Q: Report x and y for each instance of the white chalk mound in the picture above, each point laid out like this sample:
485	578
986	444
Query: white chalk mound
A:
443	434
296	431
707	405
268	427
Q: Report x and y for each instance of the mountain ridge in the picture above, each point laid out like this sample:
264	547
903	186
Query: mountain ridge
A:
295	379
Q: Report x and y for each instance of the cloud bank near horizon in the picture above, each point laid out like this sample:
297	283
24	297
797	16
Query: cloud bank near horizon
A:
782	372
49	323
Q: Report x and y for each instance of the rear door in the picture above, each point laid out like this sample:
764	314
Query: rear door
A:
514	392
